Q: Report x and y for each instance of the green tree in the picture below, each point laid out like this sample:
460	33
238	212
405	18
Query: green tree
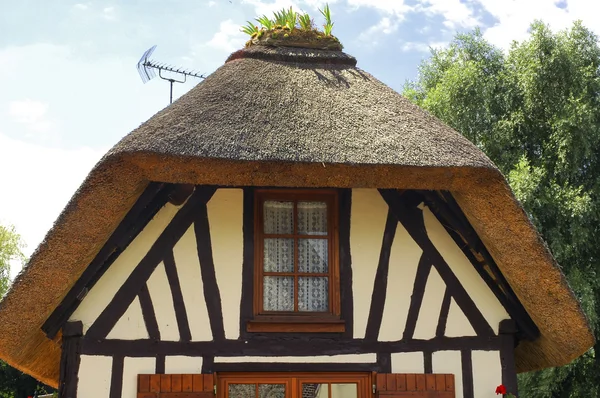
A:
535	111
11	247
13	383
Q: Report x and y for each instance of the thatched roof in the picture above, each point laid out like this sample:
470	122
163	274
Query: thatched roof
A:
303	118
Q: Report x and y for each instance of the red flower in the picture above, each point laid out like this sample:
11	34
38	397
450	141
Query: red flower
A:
500	390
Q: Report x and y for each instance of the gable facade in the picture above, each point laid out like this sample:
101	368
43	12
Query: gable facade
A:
179	300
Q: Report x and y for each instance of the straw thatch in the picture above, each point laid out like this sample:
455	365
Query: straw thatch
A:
302	118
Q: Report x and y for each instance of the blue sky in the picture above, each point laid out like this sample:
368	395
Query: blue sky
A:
69	89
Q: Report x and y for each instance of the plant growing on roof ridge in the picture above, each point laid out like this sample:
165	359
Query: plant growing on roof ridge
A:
305	22
280	18
265	22
298	30
328	26
250	29
286	18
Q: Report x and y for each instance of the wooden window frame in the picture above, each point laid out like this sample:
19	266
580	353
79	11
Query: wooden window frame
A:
294	381
271	321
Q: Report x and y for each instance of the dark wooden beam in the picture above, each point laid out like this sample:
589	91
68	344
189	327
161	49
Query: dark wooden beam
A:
139	276
462	298
178	302
507	334
296	367
154	197
283	346
159	366
467	373
70	359
384	362
450	215
116	379
413	222
208	364
345	260
72	329
427	362
416	299
179	195
148	313
381	279
443	320
246	310
212	296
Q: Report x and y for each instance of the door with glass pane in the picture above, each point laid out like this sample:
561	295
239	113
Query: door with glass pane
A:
294	385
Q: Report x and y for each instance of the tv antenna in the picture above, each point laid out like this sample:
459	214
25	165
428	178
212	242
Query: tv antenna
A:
147	69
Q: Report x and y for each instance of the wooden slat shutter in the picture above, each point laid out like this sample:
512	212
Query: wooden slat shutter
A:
176	386
397	385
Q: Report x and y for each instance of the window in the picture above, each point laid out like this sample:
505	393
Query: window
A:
297	385
296	269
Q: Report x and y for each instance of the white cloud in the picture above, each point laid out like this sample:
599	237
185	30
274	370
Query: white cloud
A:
229	37
267	7
385	26
319	4
81	6
455	13
42	181
514	17
109	13
422	46
32	114
212	3
394	7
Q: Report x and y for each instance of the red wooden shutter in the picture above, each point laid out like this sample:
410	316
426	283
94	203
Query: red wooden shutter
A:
176	386
396	385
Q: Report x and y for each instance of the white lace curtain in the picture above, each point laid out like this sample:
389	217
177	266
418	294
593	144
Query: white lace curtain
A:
279	256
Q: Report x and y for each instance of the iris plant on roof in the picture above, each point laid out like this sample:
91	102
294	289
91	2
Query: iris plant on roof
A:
288	24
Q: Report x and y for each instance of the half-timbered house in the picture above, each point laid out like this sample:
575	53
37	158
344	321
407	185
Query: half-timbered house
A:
291	227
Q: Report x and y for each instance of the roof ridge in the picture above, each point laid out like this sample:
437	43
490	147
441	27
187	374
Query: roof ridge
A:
294	54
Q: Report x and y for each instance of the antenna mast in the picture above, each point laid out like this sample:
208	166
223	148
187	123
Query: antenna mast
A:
147	70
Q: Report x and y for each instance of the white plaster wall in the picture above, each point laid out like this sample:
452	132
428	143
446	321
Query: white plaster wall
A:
404	259
449	362
457	324
131	326
181	364
132	367
367	224
483	297
487	373
408	362
225	213
429	313
162	301
94	376
107	286
350	358
192	288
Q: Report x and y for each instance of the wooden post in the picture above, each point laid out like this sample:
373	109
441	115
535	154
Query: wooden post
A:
507	333
69	361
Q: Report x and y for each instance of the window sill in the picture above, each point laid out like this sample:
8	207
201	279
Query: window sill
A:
287	324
